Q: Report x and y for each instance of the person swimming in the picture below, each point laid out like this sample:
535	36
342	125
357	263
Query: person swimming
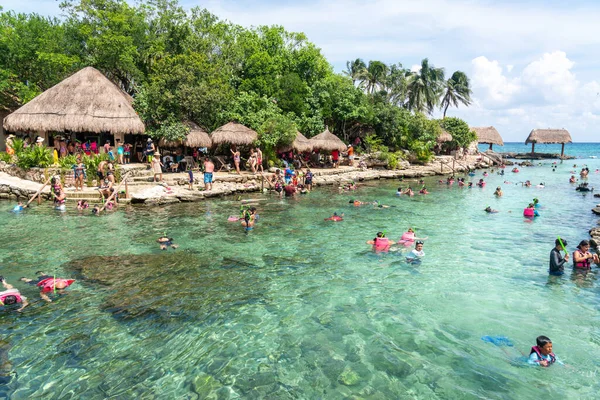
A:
335	217
380	242
19	207
416	254
165	241
490	210
541	354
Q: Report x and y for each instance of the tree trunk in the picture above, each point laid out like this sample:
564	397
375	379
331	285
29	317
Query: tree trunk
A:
445	109
532	148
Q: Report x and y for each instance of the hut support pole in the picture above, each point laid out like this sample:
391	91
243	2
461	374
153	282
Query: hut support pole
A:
562	151
491	146
532	148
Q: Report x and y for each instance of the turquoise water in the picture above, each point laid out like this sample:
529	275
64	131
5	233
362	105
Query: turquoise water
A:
300	308
579	150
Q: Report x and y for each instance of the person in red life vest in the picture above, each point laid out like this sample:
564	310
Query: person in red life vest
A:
380	242
48	284
542	354
582	258
11	296
335	217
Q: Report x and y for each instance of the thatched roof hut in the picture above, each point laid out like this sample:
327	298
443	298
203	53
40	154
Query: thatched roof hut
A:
327	141
84	102
233	133
488	135
444	137
196	137
300	144
549	136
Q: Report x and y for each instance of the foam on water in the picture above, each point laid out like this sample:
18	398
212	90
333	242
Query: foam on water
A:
300	307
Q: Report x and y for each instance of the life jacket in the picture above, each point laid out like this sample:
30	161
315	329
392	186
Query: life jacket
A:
334	218
381	243
9	297
536	350
48	284
407	238
481	184
585	264
529	212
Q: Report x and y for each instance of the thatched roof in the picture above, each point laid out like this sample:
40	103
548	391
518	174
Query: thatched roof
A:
488	135
444	137
300	144
327	141
196	137
549	136
233	133
84	102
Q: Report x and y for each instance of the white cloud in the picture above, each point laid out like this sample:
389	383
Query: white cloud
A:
415	68
551	75
490	84
509	67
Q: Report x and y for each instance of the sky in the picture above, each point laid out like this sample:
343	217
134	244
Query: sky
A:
532	63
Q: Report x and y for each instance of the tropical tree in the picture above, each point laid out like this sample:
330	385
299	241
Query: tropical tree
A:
373	77
424	88
456	90
396	84
354	69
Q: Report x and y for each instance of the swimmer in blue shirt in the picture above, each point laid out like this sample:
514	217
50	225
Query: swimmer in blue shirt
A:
542	354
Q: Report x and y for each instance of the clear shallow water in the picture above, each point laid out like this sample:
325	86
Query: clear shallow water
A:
299	307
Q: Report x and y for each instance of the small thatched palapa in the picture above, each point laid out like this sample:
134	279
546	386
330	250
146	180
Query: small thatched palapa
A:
327	141
233	133
300	144
444	137
488	135
196	137
549	136
84	102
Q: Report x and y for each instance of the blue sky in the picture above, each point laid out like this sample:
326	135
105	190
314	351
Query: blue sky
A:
533	64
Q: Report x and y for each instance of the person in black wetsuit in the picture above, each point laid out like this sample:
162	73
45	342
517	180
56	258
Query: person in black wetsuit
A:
557	261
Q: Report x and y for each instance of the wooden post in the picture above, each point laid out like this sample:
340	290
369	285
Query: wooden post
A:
126	190
562	151
491	144
532	148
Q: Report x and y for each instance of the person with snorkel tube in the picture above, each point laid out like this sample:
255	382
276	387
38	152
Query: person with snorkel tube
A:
48	283
380	243
557	261
408	238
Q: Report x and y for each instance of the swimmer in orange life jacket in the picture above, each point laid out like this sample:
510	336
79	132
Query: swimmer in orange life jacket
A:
48	283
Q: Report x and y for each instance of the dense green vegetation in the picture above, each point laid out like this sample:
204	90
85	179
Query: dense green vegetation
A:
182	66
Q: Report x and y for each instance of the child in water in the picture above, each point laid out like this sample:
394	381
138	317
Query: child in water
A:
96	209
542	354
82	205
417	253
165	242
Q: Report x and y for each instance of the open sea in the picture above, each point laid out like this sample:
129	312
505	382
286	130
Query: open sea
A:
300	307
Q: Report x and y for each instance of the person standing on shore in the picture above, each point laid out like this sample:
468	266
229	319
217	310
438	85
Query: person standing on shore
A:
156	165
236	158
557	261
209	169
351	155
259	160
150	149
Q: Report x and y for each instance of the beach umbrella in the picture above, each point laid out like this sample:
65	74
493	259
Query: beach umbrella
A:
87	101
549	136
300	144
196	137
488	135
233	133
327	141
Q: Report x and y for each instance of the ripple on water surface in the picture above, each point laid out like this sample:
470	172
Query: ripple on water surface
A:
299	307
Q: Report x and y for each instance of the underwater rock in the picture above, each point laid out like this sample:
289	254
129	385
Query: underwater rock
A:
173	285
204	385
349	377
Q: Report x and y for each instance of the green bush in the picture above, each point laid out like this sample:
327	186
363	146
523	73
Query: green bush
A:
393	159
5	157
34	157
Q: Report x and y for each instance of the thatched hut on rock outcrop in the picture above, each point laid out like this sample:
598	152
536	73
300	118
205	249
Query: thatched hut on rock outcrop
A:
196	138
233	133
327	141
549	136
85	102
488	135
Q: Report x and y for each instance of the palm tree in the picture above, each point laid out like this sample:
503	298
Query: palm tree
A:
456	90
396	84
373	77
424	88
354	69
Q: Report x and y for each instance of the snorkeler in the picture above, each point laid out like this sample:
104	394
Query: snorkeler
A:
490	210
335	217
380	242
48	283
417	253
11	296
165	242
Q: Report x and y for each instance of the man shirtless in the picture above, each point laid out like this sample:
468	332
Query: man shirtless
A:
209	169
100	172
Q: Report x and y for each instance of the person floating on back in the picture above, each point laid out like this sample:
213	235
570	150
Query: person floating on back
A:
165	241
